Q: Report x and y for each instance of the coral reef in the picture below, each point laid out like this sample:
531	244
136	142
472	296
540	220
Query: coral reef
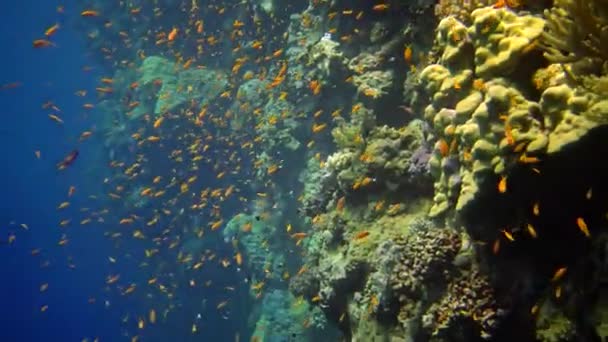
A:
553	326
181	86
468	298
395	156
251	233
479	115
576	30
459	9
284	317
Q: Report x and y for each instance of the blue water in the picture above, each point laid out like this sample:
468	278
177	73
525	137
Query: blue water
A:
33	188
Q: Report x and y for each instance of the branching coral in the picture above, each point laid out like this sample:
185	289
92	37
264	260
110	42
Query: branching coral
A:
576	29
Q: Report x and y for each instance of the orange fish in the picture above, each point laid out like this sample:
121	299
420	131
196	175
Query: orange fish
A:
51	30
298	235
302	270
173	34
536	209
496	247
85	135
502	185
89	13
559	273
315	87
531	230
340	204
580	222
407	55
380	7
443	147
42	43
361	235
508	235
55	118
316	128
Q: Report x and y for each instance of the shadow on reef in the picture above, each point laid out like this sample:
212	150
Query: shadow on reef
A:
536	227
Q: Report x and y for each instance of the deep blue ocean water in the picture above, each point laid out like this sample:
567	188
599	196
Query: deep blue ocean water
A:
32	188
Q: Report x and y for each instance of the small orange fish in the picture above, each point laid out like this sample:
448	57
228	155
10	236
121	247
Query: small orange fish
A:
407	55
361	235
221	304
302	270
580	222
89	13
509	134
508	235
558	292
524	159
499	4
55	118
502	185
85	135
534	310
217	224
559	273
42	43
340	204
315	87
442	147
536	209
51	30
380	7
298	235
496	247
158	122
316	128
531	231
173	34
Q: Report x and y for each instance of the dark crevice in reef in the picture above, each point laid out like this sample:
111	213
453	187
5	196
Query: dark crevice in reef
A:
567	186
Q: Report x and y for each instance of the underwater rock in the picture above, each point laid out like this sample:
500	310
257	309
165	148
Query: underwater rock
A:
179	86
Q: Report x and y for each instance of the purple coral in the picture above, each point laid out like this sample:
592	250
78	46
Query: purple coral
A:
419	162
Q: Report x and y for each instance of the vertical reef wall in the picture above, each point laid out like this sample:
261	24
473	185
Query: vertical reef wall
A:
423	170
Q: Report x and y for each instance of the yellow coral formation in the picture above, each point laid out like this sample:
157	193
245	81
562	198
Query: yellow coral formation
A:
479	118
501	39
